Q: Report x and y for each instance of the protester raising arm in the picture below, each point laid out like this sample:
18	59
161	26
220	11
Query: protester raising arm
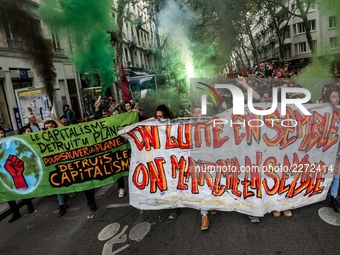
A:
54	118
242	81
97	110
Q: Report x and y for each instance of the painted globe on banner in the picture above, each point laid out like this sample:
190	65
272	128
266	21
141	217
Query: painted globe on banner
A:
20	166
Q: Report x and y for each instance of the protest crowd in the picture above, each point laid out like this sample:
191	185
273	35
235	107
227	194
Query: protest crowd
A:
262	85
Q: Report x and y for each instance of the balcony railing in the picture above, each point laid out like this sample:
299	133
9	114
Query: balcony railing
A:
14	44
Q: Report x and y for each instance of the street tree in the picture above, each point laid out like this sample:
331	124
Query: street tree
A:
300	9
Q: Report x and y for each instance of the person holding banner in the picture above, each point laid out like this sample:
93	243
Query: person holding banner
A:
62	122
324	90
12	204
49	124
332	96
197	113
164	112
98	114
89	194
334	204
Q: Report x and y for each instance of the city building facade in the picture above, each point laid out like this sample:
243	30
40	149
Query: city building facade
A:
23	88
325	32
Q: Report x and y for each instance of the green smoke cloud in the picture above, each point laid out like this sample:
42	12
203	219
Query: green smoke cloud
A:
87	23
204	54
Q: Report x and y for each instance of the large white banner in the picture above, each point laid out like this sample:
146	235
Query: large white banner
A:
250	164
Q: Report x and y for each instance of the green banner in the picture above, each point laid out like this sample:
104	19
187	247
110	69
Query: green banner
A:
66	159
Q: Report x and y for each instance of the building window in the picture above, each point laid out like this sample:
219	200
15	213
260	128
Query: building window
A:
5	120
56	44
332	22
300	48
126	55
312	25
6	24
333	42
299	28
9	28
312	7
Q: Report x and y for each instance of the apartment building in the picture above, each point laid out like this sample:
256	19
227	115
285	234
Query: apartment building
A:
24	87
139	38
27	60
325	30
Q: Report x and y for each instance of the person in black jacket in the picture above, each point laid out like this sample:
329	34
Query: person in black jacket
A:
12	204
103	113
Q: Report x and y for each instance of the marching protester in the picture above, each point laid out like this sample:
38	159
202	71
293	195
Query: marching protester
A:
103	113
197	113
32	123
118	110
111	104
324	90
128	107
257	98
49	124
332	96
70	115
61	123
25	130
63	120
90	193
86	117
12	204
164	112
122	104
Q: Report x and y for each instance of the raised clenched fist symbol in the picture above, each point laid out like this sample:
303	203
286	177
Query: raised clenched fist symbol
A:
15	167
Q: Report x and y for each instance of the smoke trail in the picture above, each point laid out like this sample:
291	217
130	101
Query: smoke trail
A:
175	23
87	21
40	48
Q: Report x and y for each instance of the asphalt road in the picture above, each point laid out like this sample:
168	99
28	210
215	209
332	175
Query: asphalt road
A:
118	228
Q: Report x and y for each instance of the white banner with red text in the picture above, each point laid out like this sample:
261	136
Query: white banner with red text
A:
250	164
